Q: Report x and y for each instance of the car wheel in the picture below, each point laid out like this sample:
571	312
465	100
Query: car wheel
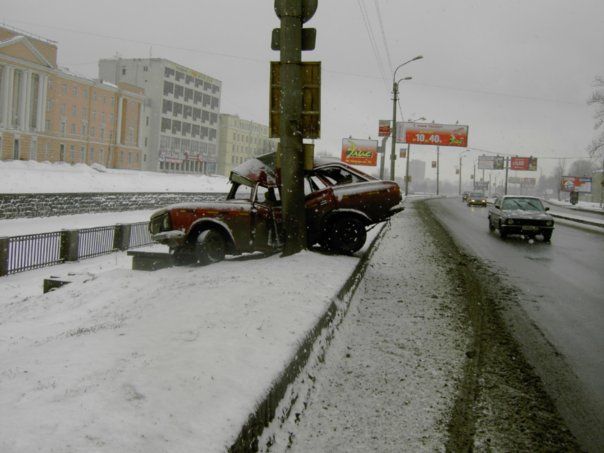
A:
183	256
345	235
491	227
503	234
547	236
210	247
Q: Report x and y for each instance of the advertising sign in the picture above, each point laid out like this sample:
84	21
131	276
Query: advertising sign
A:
384	128
403	153
523	163
522	181
432	134
433	164
576	184
481	185
491	162
359	152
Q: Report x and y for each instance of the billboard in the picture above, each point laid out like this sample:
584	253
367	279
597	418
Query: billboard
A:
523	163
576	184
359	152
384	128
491	162
432	134
522	181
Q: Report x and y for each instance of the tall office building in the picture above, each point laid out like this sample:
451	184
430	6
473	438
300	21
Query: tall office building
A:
180	124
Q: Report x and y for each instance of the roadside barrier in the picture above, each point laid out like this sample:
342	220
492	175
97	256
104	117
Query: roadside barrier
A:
32	251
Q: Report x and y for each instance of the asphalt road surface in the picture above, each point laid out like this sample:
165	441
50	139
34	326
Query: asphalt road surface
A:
561	294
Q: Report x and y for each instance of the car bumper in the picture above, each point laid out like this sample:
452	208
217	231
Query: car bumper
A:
477	203
173	239
525	229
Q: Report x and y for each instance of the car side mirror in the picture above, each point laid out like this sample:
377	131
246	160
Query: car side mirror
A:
498	206
547	209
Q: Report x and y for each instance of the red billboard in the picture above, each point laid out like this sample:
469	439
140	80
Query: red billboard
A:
359	152
523	163
432	134
384	128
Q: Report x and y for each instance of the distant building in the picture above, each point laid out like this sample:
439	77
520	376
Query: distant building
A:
240	140
180	132
417	171
50	114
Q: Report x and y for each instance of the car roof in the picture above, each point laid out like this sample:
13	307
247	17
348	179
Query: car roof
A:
261	169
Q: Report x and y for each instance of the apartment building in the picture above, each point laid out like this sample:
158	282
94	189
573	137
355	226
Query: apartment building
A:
180	132
50	114
240	140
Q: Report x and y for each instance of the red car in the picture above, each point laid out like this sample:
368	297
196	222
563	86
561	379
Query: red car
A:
341	202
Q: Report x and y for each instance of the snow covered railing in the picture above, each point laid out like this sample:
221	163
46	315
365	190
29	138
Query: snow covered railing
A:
32	251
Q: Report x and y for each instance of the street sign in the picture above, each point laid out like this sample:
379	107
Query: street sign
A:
403	153
359	152
432	134
310	75
384	128
523	163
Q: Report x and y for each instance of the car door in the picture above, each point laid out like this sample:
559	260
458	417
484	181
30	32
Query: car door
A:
495	212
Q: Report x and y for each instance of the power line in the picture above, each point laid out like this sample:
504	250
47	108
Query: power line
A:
256	60
379	15
374	46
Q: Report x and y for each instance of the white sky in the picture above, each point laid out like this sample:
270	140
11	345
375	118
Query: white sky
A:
517	72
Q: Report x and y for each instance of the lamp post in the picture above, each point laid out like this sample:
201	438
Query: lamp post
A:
407	166
394	99
460	156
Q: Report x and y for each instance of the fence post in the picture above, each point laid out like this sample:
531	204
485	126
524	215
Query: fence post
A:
121	238
69	245
4	243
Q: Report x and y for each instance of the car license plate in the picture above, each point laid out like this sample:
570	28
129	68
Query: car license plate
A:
529	228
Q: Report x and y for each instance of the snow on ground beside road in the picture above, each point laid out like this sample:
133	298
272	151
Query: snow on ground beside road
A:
44	177
14	227
580	205
168	360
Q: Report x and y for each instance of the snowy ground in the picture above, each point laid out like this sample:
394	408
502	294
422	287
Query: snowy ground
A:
141	362
44	177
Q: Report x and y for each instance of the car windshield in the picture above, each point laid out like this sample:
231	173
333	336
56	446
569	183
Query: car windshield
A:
524	204
476	195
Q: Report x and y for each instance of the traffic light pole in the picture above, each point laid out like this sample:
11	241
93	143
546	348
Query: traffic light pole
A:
292	158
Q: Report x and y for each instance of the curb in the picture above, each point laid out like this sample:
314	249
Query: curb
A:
247	439
573	219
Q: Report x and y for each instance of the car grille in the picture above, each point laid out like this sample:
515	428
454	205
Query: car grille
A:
155	224
535	222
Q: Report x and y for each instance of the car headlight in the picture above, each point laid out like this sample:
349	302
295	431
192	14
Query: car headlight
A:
549	223
510	221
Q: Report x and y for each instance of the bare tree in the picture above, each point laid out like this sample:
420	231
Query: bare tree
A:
582	167
596	147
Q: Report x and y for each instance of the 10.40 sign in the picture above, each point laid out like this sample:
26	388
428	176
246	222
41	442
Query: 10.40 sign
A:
432	134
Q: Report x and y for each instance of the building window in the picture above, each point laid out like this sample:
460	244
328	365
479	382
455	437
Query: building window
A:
166	124
166	106
34	100
168	88
179	76
62	109
83	154
147	121
73	129
74	110
64	88
168	72
92	154
16	105
145	68
72	153
63	126
47	129
74	91
123	71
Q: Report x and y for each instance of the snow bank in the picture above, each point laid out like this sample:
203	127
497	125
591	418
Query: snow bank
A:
59	177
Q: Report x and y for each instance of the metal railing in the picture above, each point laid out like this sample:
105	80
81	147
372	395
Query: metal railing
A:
32	251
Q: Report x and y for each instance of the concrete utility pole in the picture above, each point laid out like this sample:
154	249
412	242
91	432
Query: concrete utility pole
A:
407	170
383	153
507	168
459	175
293	13
437	168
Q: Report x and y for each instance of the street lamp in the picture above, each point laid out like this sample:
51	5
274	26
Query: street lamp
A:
394	99
460	156
408	153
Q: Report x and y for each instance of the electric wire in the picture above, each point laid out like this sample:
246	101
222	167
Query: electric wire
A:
381	24
372	42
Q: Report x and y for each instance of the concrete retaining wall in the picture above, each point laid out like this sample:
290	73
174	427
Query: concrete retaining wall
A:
14	206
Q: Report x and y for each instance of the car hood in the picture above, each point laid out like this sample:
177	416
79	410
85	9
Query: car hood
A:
521	214
218	206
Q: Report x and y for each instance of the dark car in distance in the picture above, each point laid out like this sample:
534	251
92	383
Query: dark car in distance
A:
476	199
340	201
513	214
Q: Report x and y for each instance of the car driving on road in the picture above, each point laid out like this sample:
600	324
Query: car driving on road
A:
513	214
477	199
341	202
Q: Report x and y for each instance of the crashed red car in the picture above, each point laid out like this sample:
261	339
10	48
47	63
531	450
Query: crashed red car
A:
341	203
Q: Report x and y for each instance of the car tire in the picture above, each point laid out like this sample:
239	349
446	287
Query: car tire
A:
210	247
491	227
345	234
547	236
502	233
183	256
